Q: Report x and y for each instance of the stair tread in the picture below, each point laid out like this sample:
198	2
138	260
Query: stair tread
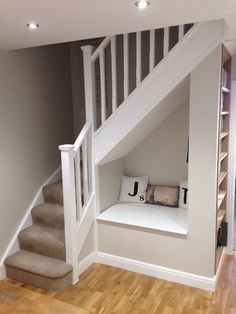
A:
43	240
38	264
53	193
49	215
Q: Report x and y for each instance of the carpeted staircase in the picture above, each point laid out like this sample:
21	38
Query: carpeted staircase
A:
41	259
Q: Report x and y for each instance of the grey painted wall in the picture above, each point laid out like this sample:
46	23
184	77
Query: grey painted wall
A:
35	117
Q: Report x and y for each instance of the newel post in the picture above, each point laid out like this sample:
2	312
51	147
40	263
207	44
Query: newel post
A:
89	86
69	199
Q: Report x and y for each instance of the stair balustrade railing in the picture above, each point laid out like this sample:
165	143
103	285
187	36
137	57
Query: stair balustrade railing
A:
78	190
96	74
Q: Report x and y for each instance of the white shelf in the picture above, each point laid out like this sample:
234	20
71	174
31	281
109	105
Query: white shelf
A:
220	217
153	217
224	113
223	135
221	196
222	156
225	90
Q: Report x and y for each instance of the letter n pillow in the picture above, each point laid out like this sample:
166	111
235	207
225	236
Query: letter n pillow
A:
133	189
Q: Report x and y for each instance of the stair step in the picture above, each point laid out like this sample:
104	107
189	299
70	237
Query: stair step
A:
41	240
53	193
48	215
38	270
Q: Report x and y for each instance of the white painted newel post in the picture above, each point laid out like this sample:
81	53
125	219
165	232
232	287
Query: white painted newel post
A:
68	178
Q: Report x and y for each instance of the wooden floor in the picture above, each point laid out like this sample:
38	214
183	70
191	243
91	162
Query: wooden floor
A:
104	289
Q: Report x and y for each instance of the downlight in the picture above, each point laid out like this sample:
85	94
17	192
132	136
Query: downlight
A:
142	4
32	25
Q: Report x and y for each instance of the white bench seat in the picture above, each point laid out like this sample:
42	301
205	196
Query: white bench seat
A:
154	217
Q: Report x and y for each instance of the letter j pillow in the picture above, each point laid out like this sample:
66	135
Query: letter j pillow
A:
133	189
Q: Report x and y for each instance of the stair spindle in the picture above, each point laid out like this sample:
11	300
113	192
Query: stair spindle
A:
138	58
152	50
103	85
114	73
85	170
126	65
181	32
166	40
78	186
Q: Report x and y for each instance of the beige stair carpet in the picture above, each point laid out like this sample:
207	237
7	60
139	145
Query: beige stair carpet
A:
41	259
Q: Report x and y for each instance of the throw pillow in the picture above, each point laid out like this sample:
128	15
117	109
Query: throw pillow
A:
183	193
163	195
133	189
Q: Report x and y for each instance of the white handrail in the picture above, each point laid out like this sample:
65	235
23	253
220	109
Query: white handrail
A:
102	46
81	136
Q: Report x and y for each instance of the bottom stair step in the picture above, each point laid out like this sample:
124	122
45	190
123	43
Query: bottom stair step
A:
38	270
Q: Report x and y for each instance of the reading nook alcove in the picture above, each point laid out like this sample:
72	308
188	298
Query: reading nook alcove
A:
158	163
191	132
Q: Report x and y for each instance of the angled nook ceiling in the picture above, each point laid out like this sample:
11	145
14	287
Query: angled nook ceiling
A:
68	20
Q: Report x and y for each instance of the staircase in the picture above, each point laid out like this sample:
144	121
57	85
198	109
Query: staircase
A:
118	117
41	259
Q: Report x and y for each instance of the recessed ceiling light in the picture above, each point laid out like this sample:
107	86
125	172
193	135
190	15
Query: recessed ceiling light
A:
142	4
32	25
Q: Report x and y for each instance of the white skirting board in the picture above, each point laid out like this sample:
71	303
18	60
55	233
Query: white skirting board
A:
86	262
26	221
2	271
159	272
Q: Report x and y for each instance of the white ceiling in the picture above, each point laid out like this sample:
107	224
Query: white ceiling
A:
68	20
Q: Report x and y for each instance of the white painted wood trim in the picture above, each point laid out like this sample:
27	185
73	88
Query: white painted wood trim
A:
89	86
126	65
101	47
220	266
231	171
103	85
152	50
86	262
114	73
3	274
160	64
78	191
85	169
82	135
166	41
138	58
198	46
85	225
206	283
181	32
69	196
26	220
177	276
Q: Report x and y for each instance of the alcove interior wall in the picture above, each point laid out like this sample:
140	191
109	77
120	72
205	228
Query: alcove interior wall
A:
162	156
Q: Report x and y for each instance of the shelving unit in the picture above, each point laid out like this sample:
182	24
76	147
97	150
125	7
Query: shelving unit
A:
224	113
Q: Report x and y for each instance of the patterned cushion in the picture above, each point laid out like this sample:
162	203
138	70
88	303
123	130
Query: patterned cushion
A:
163	195
133	189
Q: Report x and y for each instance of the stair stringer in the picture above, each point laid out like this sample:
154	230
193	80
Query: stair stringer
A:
164	78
